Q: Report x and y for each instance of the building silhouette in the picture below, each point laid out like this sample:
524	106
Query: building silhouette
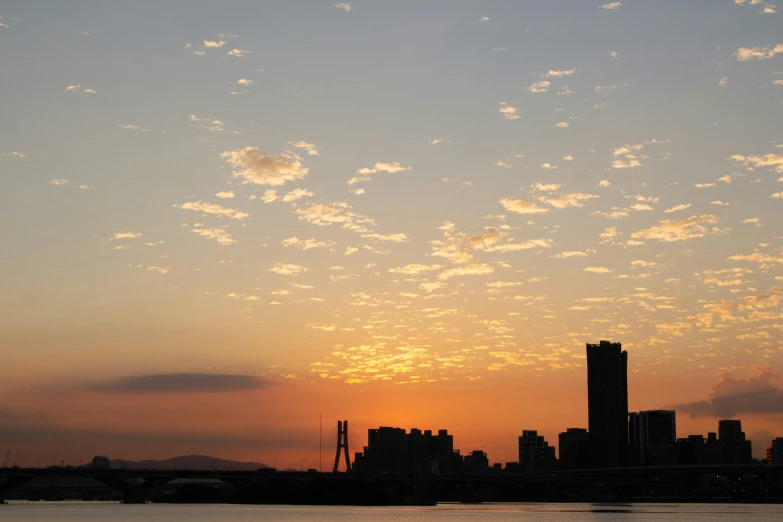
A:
573	449
653	438
607	396
728	446
733	447
775	452
535	453
392	450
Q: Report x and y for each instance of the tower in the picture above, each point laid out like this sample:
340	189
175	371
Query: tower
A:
342	444
607	395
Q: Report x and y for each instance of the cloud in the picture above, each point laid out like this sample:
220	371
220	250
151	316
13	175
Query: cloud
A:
381	166
287	269
181	383
566	200
627	155
730	397
134	127
159	269
765	260
394	238
605	183
522	207
414	269
125	235
566	255
744	54
548	166
270	196
678	230
435	141
310	148
559	74
752	221
59	181
218	234
225	195
252	165
297	194
239	53
19	155
509	112
346	7
598	269
212	208
306	244
213	44
469	269
545	188
501	163
561	125
541	86
244	82
776	195
723	81
677	208
767	160
612	6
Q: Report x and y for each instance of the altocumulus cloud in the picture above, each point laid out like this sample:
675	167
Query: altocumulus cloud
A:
181	383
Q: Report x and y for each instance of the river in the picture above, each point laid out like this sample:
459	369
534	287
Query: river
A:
97	511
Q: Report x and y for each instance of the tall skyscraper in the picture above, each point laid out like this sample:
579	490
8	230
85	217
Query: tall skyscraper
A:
653	437
607	396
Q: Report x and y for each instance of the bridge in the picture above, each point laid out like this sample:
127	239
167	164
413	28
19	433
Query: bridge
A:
272	486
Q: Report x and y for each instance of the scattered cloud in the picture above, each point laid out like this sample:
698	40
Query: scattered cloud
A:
218	234
414	269
678	230
213	44
345	7
744	54
541	86
296	195
239	53
612	6
558	74
306	244
225	195
310	148
598	270
251	165
522	207
287	269
59	181
677	208
772	160
212	208
509	112
365	173
466	270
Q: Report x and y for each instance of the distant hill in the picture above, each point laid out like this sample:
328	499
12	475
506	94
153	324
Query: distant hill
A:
192	462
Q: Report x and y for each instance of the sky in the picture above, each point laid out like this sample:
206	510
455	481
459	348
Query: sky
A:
224	221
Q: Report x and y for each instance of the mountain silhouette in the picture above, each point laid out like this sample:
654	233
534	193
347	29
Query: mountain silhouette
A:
189	462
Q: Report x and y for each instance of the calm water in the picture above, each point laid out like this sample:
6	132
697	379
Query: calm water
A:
91	511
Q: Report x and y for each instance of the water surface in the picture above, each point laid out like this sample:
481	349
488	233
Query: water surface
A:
95	511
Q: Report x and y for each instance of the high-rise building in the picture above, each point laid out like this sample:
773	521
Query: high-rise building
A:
535	453
653	438
607	395
573	449
775	452
733	447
